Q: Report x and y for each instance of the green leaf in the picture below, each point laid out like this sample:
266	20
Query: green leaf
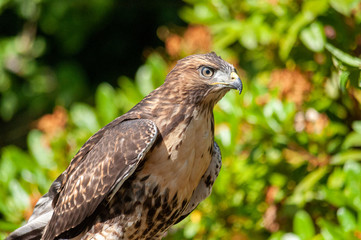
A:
287	43
248	38
159	69
344	57
358	221
330	231
8	105
8	226
336	180
314	37
303	225
353	139
191	230
42	153
226	33
342	157
343	79
202	13
353	184
338	64
353	170
346	219
311	179
14	159
355	79
316	7
128	95
344	6
276	236
105	103
19	199
356	125
290	236
84	117
335	197
301	192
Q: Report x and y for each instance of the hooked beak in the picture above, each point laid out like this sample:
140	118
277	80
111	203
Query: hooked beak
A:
236	82
233	82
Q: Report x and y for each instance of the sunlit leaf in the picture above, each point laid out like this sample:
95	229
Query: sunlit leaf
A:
290	236
313	37
288	42
7	226
105	103
276	236
303	225
12	160
343	79
191	230
18	200
344	6
346	219
344	57
330	231
248	37
337	179
37	146
159	69
316	7
342	157
356	125
300	194
335	197
352	140
84	117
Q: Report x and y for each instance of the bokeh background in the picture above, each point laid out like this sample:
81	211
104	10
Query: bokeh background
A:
291	143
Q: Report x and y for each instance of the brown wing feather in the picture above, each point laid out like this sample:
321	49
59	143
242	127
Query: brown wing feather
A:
106	166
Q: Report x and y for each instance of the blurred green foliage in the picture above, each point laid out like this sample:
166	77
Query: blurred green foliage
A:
56	53
290	143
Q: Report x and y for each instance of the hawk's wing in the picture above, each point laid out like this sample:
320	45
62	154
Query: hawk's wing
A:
104	168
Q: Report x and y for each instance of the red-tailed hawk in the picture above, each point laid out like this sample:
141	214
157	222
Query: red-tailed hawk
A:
147	169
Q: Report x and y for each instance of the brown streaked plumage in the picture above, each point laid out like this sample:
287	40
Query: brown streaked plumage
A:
147	169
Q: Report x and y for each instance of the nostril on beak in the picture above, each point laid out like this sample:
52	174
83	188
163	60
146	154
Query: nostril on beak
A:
234	76
236	82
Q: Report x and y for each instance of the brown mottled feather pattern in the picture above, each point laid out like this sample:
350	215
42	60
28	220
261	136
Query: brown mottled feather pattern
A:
111	158
146	170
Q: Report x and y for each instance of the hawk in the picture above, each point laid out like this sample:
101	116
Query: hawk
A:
146	170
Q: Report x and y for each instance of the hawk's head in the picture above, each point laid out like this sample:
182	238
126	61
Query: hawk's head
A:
204	77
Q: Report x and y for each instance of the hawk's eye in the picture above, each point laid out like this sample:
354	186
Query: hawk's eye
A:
207	72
